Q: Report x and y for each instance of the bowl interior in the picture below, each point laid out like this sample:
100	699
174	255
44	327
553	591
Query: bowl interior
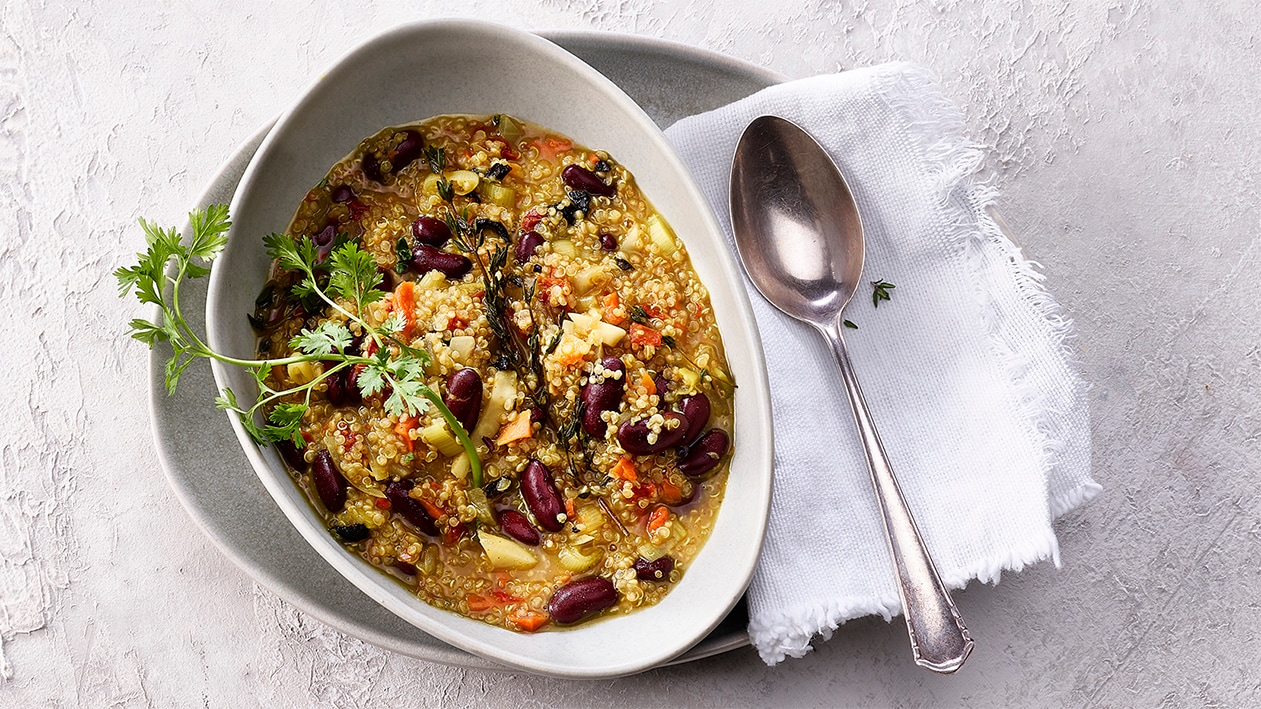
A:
431	68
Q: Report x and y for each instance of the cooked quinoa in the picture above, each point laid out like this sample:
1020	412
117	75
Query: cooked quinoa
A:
597	296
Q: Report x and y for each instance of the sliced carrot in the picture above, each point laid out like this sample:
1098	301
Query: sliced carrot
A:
657	519
434	511
551	146
405	300
648	384
403	430
624	470
515	430
644	336
504	596
671	494
612	302
570	513
529	621
479	604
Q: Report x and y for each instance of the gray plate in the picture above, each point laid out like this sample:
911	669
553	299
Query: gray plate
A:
214	480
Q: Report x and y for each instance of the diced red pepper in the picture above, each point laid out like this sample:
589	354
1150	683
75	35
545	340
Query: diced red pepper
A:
644	336
505	148
530	220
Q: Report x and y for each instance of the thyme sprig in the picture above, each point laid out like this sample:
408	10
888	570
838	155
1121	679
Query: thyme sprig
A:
880	291
352	285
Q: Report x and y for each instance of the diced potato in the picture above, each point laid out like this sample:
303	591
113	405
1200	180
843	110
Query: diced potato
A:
462	347
633	240
691	378
582	323
498	194
610	334
589	278
564	247
461	466
504	553
575	561
303	372
440	438
664	242
503	393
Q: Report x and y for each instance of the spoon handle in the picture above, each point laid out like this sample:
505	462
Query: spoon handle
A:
939	639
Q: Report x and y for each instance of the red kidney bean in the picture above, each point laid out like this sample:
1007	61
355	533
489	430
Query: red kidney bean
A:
292	454
464	396
389	279
583	179
324	242
407	151
581	598
662	384
343	388
696	410
538	489
633	435
602	395
705	453
433	232
536	415
410	509
658	570
371	167
517	526
329	482
608	242
426	258
409	569
342	193
527	244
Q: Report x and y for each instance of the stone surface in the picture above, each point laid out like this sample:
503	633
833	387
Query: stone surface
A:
1122	135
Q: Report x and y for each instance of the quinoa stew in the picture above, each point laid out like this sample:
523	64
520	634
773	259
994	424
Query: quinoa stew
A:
573	347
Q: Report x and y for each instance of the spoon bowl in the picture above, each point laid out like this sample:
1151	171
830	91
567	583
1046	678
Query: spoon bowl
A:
800	238
807	253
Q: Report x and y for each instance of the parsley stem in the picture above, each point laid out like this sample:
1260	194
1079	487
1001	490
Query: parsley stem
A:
475	462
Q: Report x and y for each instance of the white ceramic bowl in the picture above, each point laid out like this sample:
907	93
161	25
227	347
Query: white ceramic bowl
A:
431	68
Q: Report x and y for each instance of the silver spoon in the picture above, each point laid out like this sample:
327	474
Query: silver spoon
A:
799	236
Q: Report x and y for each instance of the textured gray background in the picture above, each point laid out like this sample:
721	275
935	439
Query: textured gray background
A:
1122	134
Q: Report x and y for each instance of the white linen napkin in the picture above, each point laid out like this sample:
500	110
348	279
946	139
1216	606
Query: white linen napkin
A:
965	369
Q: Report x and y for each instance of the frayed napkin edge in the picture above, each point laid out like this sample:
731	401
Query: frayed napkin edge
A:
788	633
939	129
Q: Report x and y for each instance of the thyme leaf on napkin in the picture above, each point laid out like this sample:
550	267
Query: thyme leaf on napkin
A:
352	284
880	291
850	324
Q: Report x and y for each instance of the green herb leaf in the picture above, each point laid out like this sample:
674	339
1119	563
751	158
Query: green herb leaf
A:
880	291
849	324
326	338
445	190
437	159
639	315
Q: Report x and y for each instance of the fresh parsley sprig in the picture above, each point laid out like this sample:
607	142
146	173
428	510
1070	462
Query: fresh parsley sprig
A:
353	284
